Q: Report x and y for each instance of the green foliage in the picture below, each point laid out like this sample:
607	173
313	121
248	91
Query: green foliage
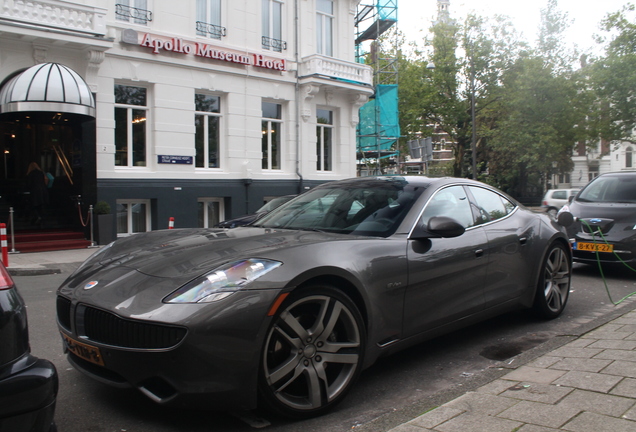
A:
101	207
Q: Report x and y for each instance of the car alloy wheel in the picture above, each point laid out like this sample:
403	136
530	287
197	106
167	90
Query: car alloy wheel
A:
313	352
554	282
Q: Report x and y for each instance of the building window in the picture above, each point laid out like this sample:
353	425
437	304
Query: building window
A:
324	27
210	212
209	19
324	139
135	10
131	115
272	17
207	120
628	157
133	216
272	124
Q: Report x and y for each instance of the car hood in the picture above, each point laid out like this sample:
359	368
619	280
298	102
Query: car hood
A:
188	253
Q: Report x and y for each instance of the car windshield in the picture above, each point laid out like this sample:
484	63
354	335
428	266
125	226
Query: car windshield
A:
617	189
371	207
273	203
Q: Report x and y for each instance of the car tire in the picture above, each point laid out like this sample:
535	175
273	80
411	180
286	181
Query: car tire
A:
313	352
553	287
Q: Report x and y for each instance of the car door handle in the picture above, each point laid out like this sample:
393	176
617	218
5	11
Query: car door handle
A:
523	240
479	253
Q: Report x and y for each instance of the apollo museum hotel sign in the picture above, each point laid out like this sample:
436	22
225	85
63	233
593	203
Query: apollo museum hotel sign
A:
177	45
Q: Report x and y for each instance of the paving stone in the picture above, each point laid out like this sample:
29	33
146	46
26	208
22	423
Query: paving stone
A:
621	368
599	403
592	422
481	403
435	417
613	354
536	392
613	344
565	351
579	343
606	333
406	427
540	414
544	362
581	364
534	375
535	428
627	387
631	414
496	387
588	381
627	327
478	423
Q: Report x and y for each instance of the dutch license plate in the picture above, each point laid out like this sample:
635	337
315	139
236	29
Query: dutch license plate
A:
594	247
84	351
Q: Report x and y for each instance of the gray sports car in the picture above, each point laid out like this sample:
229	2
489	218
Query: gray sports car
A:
287	312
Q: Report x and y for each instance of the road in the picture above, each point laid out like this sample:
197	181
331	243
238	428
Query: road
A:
395	389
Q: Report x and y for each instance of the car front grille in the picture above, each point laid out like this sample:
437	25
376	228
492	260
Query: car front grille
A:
64	312
107	328
96	325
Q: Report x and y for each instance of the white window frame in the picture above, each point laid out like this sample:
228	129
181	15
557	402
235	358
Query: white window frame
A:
213	14
207	200
129	203
272	21
206	135
320	142
325	29
268	131
138	4
129	130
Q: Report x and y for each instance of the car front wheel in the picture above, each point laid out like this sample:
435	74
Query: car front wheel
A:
554	282
313	352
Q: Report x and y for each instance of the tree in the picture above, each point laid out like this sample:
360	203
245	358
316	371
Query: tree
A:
613	78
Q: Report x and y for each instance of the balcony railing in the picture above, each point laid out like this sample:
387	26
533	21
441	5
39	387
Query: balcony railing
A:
56	14
210	30
318	65
125	13
273	44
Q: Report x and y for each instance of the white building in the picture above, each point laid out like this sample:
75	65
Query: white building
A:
202	109
602	158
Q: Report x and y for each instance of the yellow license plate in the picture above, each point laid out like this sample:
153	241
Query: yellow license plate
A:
595	247
83	351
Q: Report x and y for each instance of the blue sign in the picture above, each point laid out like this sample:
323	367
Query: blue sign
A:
167	159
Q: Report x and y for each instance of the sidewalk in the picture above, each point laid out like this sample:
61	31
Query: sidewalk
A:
585	382
42	263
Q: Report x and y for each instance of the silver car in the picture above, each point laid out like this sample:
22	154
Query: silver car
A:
287	312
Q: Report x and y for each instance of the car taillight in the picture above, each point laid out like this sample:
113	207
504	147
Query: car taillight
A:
6	282
545	203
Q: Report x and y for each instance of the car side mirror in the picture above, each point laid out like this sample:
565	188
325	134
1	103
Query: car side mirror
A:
438	226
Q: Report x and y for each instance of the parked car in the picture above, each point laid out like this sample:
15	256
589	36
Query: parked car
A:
605	219
28	385
248	219
554	199
286	312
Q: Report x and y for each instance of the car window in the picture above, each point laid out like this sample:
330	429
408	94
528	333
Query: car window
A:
451	202
490	205
559	195
621	189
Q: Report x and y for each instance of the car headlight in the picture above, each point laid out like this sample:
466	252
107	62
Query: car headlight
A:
222	281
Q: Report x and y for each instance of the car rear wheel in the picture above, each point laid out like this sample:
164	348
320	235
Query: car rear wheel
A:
554	282
313	352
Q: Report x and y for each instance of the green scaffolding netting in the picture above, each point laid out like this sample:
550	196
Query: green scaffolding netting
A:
387	9
379	127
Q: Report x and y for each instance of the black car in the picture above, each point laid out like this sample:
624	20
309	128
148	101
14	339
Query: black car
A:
248	219
605	219
28	385
286	313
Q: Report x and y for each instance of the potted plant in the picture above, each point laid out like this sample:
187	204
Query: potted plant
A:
103	229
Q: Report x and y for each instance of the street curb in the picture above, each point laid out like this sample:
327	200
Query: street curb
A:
33	271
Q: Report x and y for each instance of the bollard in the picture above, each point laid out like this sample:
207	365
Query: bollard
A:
5	247
171	223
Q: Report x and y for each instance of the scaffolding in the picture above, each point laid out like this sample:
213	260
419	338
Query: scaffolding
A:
378	129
